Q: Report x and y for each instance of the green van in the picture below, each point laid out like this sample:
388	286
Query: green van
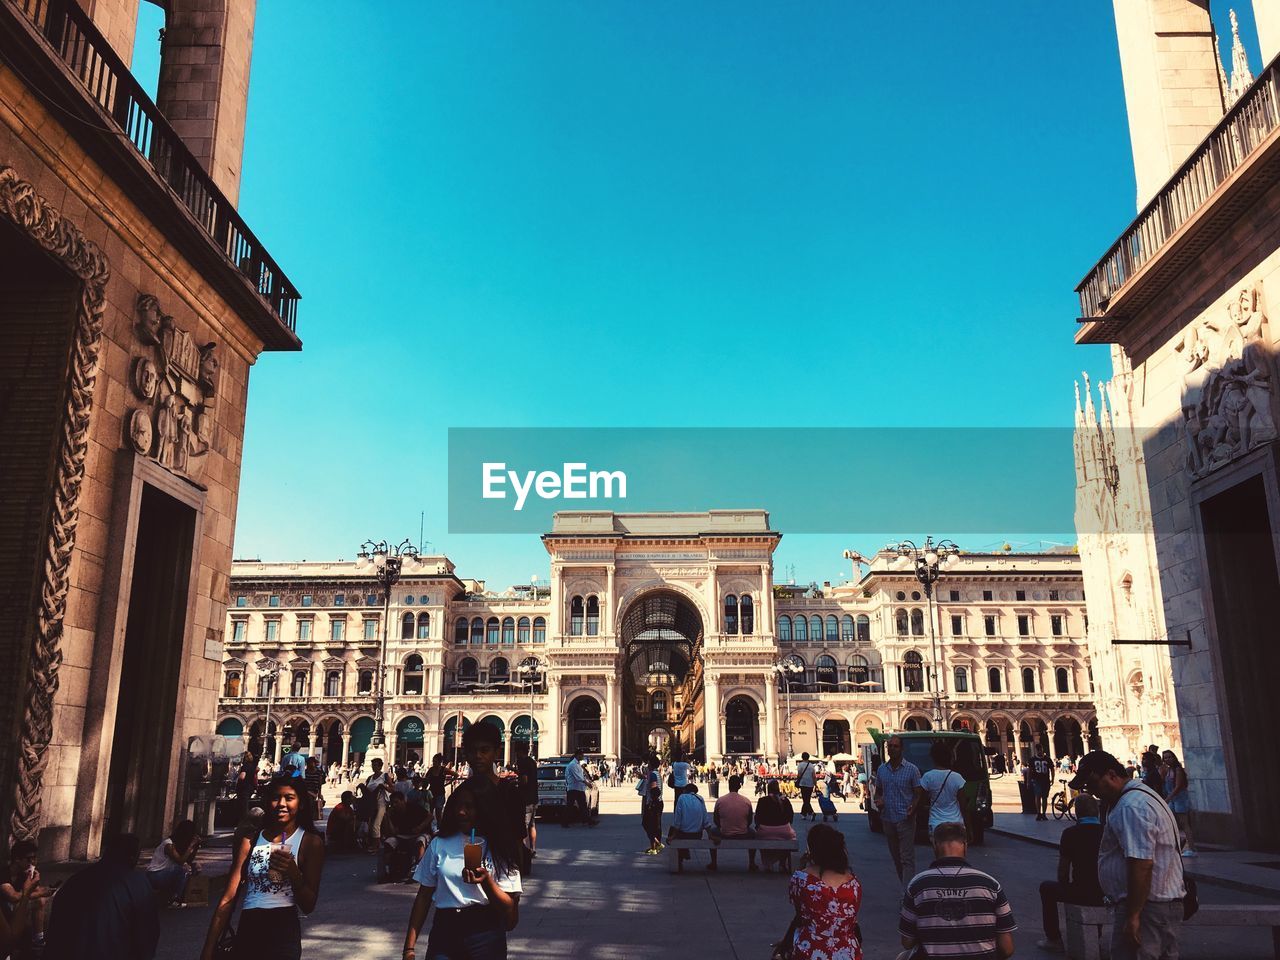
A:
970	762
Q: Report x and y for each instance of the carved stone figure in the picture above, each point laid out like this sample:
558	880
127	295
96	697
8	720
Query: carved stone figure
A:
145	378
209	369
150	319
167	429
140	432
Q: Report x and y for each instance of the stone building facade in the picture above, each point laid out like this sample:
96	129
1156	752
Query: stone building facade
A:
134	302
657	630
1184	297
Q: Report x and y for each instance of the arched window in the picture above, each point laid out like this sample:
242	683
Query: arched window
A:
846	628
784	629
491	630
333	684
576	608
424	626
1028	680
859	671
539	630
917	622
593	616
477	630
659	703
815	629
902	622
499	670
264	684
864	628
468	670
232	686
1062	679
299	686
412	683
406	627
825	671
802	629
508	630
460	632
522	630
366	682
731	613
913	672
962	680
833	629
748	614
994	683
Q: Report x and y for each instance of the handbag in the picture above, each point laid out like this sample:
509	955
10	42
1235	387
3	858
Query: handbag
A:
783	949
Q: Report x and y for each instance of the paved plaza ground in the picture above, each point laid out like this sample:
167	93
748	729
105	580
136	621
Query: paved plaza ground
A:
594	895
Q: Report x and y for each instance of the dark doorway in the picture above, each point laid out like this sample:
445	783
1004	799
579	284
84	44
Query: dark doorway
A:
740	724
1243	581
37	314
141	746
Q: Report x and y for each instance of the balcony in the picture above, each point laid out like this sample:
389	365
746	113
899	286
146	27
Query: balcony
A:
1232	167
71	37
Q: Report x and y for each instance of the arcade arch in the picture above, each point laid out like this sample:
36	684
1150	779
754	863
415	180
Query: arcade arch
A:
661	633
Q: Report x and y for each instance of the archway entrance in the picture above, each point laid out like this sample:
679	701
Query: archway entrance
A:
662	675
741	726
584	725
835	737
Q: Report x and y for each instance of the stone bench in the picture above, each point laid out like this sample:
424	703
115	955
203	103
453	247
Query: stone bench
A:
740	843
1088	933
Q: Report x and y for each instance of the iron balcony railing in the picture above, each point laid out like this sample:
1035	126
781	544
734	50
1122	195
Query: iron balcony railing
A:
79	44
1249	121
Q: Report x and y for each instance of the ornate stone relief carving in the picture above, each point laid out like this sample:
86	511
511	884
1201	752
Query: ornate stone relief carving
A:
177	380
32	214
1228	397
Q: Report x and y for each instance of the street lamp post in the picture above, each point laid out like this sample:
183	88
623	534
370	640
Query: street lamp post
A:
786	667
530	667
272	673
928	562
387	564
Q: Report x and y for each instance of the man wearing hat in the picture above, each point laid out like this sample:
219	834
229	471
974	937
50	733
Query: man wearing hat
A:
1139	861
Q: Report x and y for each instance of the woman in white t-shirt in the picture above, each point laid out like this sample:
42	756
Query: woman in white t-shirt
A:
475	907
942	786
173	863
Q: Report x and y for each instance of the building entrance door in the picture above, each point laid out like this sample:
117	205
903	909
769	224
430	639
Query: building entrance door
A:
662	676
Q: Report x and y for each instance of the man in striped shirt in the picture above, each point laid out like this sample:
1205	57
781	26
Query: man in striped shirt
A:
954	910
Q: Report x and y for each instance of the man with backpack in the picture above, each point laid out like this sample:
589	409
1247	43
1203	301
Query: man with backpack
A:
805	779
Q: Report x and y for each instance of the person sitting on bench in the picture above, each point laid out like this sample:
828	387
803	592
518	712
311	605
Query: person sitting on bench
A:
690	818
1077	871
732	815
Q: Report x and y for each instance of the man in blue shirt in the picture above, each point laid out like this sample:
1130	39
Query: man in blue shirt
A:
294	763
898	794
689	821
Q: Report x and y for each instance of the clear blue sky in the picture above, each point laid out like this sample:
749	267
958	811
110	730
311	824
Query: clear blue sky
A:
662	213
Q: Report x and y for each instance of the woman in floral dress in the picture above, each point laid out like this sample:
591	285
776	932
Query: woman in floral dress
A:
827	897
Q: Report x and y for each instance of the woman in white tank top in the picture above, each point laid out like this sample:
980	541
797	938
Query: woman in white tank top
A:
279	873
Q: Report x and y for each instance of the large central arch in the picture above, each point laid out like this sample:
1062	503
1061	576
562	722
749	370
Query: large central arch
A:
661	637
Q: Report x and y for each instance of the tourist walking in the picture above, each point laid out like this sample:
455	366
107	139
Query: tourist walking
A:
107	911
942	786
1178	798
827	897
471	873
1139	866
1041	782
437	775
1077	880
982	929
898	795
280	872
650	790
575	792
313	775
527	777
805	773
774	818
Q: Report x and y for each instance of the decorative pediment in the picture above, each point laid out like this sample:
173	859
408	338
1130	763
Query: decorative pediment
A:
266	663
300	663
333	663
367	663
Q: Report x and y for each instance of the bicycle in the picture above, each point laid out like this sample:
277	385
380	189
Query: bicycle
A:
1063	803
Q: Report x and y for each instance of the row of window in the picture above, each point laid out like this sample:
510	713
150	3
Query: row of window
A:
337	630
988	596
816	628
507	630
913	678
339	600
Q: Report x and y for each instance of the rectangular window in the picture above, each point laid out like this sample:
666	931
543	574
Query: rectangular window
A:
371	600
957	626
306	599
338	630
339	599
273	631
370	629
238	631
986	595
241	600
304	631
1021	595
989	625
1024	625
1055	595
1055	625
273	600
955	595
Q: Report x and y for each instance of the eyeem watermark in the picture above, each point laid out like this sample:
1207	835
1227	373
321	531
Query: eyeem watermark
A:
573	482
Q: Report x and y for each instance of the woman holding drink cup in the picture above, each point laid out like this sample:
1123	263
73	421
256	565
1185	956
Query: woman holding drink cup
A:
279	873
472	875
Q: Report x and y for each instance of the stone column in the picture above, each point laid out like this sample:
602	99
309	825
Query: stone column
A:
766	602
346	749
712	718
311	746
555	613
610	604
609	722
770	745
551	720
390	758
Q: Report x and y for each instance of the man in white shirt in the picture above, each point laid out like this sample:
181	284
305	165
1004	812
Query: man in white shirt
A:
575	792
377	786
1139	861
